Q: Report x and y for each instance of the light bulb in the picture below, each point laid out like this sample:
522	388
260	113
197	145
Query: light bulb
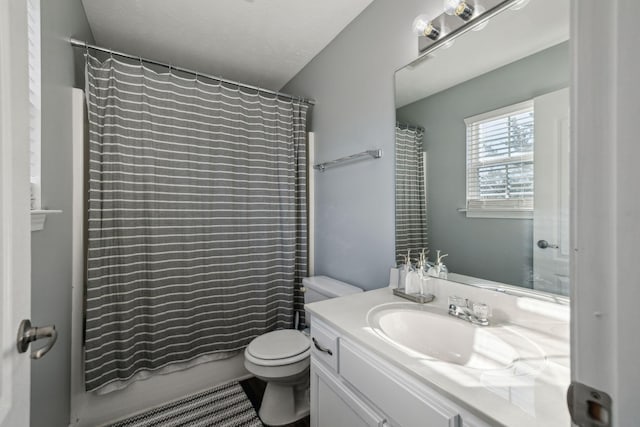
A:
423	27
458	8
419	24
450	6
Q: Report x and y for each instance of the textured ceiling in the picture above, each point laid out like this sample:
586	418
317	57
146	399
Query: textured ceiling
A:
260	42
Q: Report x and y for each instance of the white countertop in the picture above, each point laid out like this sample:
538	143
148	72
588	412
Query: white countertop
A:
531	398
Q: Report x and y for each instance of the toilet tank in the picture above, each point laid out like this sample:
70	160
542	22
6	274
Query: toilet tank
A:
319	288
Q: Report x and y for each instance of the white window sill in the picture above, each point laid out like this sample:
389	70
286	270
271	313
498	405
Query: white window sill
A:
498	214
38	217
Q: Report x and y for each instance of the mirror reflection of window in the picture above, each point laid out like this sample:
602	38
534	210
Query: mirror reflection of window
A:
500	168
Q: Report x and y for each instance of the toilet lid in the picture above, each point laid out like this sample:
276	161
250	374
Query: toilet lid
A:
281	344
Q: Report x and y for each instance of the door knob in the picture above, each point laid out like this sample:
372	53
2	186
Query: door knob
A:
543	244
27	334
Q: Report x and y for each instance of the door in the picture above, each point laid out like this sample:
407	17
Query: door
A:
15	247
551	205
605	206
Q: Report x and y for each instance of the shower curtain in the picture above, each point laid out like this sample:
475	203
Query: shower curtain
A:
197	233
411	204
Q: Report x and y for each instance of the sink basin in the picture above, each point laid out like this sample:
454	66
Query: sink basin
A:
438	336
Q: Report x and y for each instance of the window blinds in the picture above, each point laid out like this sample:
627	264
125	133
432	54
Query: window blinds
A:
500	159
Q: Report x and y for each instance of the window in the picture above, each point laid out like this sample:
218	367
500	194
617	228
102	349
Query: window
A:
500	163
33	13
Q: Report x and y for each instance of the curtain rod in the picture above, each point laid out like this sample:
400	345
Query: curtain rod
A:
79	43
410	127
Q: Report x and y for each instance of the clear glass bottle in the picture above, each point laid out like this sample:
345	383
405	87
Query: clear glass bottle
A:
405	269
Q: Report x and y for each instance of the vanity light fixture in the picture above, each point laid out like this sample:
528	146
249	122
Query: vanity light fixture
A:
423	26
459	8
474	18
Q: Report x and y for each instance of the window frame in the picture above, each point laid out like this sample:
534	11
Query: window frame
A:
35	94
508	209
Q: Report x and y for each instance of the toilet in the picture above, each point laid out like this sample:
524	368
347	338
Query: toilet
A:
281	358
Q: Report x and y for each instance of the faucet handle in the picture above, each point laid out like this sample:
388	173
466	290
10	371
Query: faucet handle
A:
458	301
481	311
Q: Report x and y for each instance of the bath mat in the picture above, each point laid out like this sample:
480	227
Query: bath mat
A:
224	406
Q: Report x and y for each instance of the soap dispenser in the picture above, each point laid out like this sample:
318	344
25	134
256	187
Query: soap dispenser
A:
420	266
423	267
405	269
439	269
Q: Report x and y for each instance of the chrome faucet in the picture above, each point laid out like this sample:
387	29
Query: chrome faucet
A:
462	308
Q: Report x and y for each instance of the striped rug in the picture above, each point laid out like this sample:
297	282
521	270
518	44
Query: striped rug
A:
223	406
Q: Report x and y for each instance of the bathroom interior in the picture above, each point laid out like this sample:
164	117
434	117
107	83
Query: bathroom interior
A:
363	213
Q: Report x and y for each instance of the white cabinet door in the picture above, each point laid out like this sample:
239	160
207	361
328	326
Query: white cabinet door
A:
334	405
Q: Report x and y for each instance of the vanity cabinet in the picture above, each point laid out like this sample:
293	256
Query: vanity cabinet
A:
352	386
333	403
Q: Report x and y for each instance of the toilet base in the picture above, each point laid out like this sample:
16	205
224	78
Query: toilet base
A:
284	404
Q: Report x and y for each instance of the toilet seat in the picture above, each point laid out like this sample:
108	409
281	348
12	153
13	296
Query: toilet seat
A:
278	348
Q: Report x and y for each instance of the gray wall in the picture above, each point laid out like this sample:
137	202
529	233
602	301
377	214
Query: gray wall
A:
352	80
51	247
494	249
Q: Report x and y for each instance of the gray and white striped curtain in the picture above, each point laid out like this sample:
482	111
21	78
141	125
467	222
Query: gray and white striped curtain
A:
197	218
411	205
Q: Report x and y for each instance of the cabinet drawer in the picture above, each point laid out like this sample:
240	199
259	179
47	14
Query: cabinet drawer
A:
324	344
395	393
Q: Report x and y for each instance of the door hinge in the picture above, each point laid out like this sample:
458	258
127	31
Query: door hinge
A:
588	407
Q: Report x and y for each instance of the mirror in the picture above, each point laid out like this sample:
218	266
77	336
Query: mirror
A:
482	151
